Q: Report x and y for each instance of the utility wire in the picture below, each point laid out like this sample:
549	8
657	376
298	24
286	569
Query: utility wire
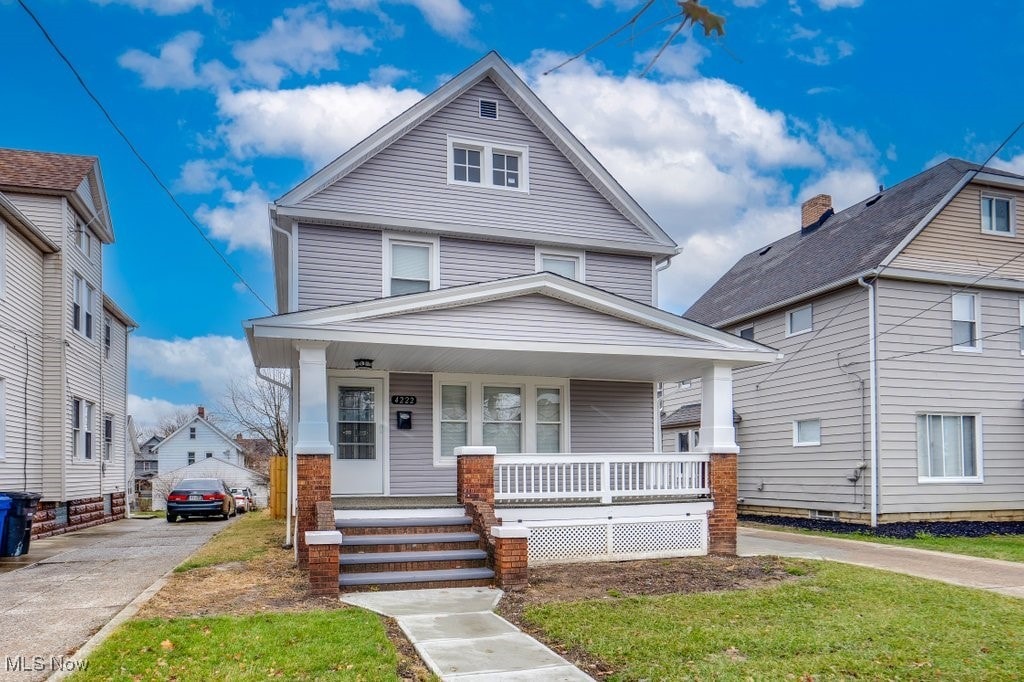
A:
138	155
908	354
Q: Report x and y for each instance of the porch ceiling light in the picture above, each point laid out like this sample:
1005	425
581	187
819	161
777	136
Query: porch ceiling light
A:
364	363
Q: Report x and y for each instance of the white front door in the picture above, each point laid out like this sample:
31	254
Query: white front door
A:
358	422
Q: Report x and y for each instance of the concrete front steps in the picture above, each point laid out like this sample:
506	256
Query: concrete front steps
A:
410	549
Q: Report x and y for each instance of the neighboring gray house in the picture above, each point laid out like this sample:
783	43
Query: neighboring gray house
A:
470	275
195	440
63	343
900	319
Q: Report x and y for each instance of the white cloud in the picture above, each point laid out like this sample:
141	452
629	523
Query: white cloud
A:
1015	164
209	362
801	33
199	176
147	413
300	42
826	53
620	5
829	5
162	7
749	3
448	17
846	186
677	61
241	220
175	65
387	75
334	117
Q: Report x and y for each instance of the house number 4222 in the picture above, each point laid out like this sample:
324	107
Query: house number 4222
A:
403	400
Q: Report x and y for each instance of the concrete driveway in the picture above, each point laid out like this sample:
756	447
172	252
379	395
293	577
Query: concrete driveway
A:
1004	577
69	586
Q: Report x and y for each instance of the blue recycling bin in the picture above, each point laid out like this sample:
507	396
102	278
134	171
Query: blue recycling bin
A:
5	504
17	532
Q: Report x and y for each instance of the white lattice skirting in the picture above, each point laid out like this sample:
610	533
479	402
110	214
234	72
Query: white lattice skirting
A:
596	539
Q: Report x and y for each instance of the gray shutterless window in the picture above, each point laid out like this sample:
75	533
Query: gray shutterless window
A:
410	268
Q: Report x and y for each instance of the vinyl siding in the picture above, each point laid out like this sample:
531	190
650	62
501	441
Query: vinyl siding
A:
412	451
465	261
627	276
988	383
21	363
409	180
526	318
954	243
172	454
809	385
611	416
115	388
338	265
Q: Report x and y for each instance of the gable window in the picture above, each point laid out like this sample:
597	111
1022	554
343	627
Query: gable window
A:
108	436
948	448
965	323
568	264
511	414
83	300
806	432
747	333
410	265
997	215
192	433
106	338
688	441
488	164
800	321
191	458
82	419
84	238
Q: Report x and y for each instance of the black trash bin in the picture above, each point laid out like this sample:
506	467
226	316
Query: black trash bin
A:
18	531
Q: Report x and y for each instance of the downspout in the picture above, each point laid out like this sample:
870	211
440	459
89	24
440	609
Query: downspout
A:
288	491
873	369
863	441
129	471
291	261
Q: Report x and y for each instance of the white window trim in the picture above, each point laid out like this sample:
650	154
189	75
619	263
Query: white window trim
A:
3	260
86	415
108	337
528	390
190	455
797	443
1012	214
108	445
84	294
541	252
789	320
691	436
977	348
978	450
486	163
434	259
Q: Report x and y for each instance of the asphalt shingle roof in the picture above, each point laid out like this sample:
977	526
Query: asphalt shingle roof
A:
852	241
43	170
688	415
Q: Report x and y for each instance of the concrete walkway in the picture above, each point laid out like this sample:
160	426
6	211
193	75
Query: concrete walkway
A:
459	637
67	587
1004	577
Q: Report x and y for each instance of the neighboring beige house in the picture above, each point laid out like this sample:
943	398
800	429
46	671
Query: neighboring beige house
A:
901	322
470	276
63	343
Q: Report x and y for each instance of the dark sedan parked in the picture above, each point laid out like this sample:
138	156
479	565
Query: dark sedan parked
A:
200	497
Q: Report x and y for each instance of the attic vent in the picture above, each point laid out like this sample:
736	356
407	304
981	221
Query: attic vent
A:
488	109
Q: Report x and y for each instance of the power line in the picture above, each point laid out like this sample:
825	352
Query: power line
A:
138	155
952	345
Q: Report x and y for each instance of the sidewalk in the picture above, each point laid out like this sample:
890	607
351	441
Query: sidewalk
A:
458	636
1004	577
69	586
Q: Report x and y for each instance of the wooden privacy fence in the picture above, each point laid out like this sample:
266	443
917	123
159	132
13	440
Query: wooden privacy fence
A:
278	486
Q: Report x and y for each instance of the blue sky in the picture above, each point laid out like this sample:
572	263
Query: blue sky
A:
235	102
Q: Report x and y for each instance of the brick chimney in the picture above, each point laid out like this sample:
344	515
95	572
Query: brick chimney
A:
812	210
201	411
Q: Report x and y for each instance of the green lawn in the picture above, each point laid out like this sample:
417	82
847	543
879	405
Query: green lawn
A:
249	537
347	644
841	622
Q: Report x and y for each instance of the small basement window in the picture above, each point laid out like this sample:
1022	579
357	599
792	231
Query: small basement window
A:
806	432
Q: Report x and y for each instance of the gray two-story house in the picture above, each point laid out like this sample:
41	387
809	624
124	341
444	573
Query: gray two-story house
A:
470	276
901	322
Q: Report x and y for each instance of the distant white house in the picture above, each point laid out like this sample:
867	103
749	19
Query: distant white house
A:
194	441
233	474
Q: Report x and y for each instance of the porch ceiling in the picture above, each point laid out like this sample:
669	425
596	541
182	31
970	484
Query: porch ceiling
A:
398	354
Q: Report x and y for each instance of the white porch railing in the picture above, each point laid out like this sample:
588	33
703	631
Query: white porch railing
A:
601	477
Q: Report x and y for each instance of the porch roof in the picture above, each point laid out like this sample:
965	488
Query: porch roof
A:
535	325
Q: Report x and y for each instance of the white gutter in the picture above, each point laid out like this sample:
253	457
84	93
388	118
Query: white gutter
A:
873	369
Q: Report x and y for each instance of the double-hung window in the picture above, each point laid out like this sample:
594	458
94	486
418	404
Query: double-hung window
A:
965	323
3	257
411	265
948	448
488	164
800	320
84	298
454	417
549	419
83	414
688	441
191	458
997	215
106	338
568	264
108	436
502	418
191	433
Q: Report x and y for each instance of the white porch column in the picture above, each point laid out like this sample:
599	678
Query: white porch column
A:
717	431
313	433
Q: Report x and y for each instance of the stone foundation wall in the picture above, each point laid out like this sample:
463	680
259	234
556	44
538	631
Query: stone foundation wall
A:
56	518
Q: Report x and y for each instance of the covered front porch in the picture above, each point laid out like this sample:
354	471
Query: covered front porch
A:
557	382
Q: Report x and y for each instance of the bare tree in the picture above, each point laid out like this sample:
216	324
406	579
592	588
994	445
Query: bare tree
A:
173	422
261	408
